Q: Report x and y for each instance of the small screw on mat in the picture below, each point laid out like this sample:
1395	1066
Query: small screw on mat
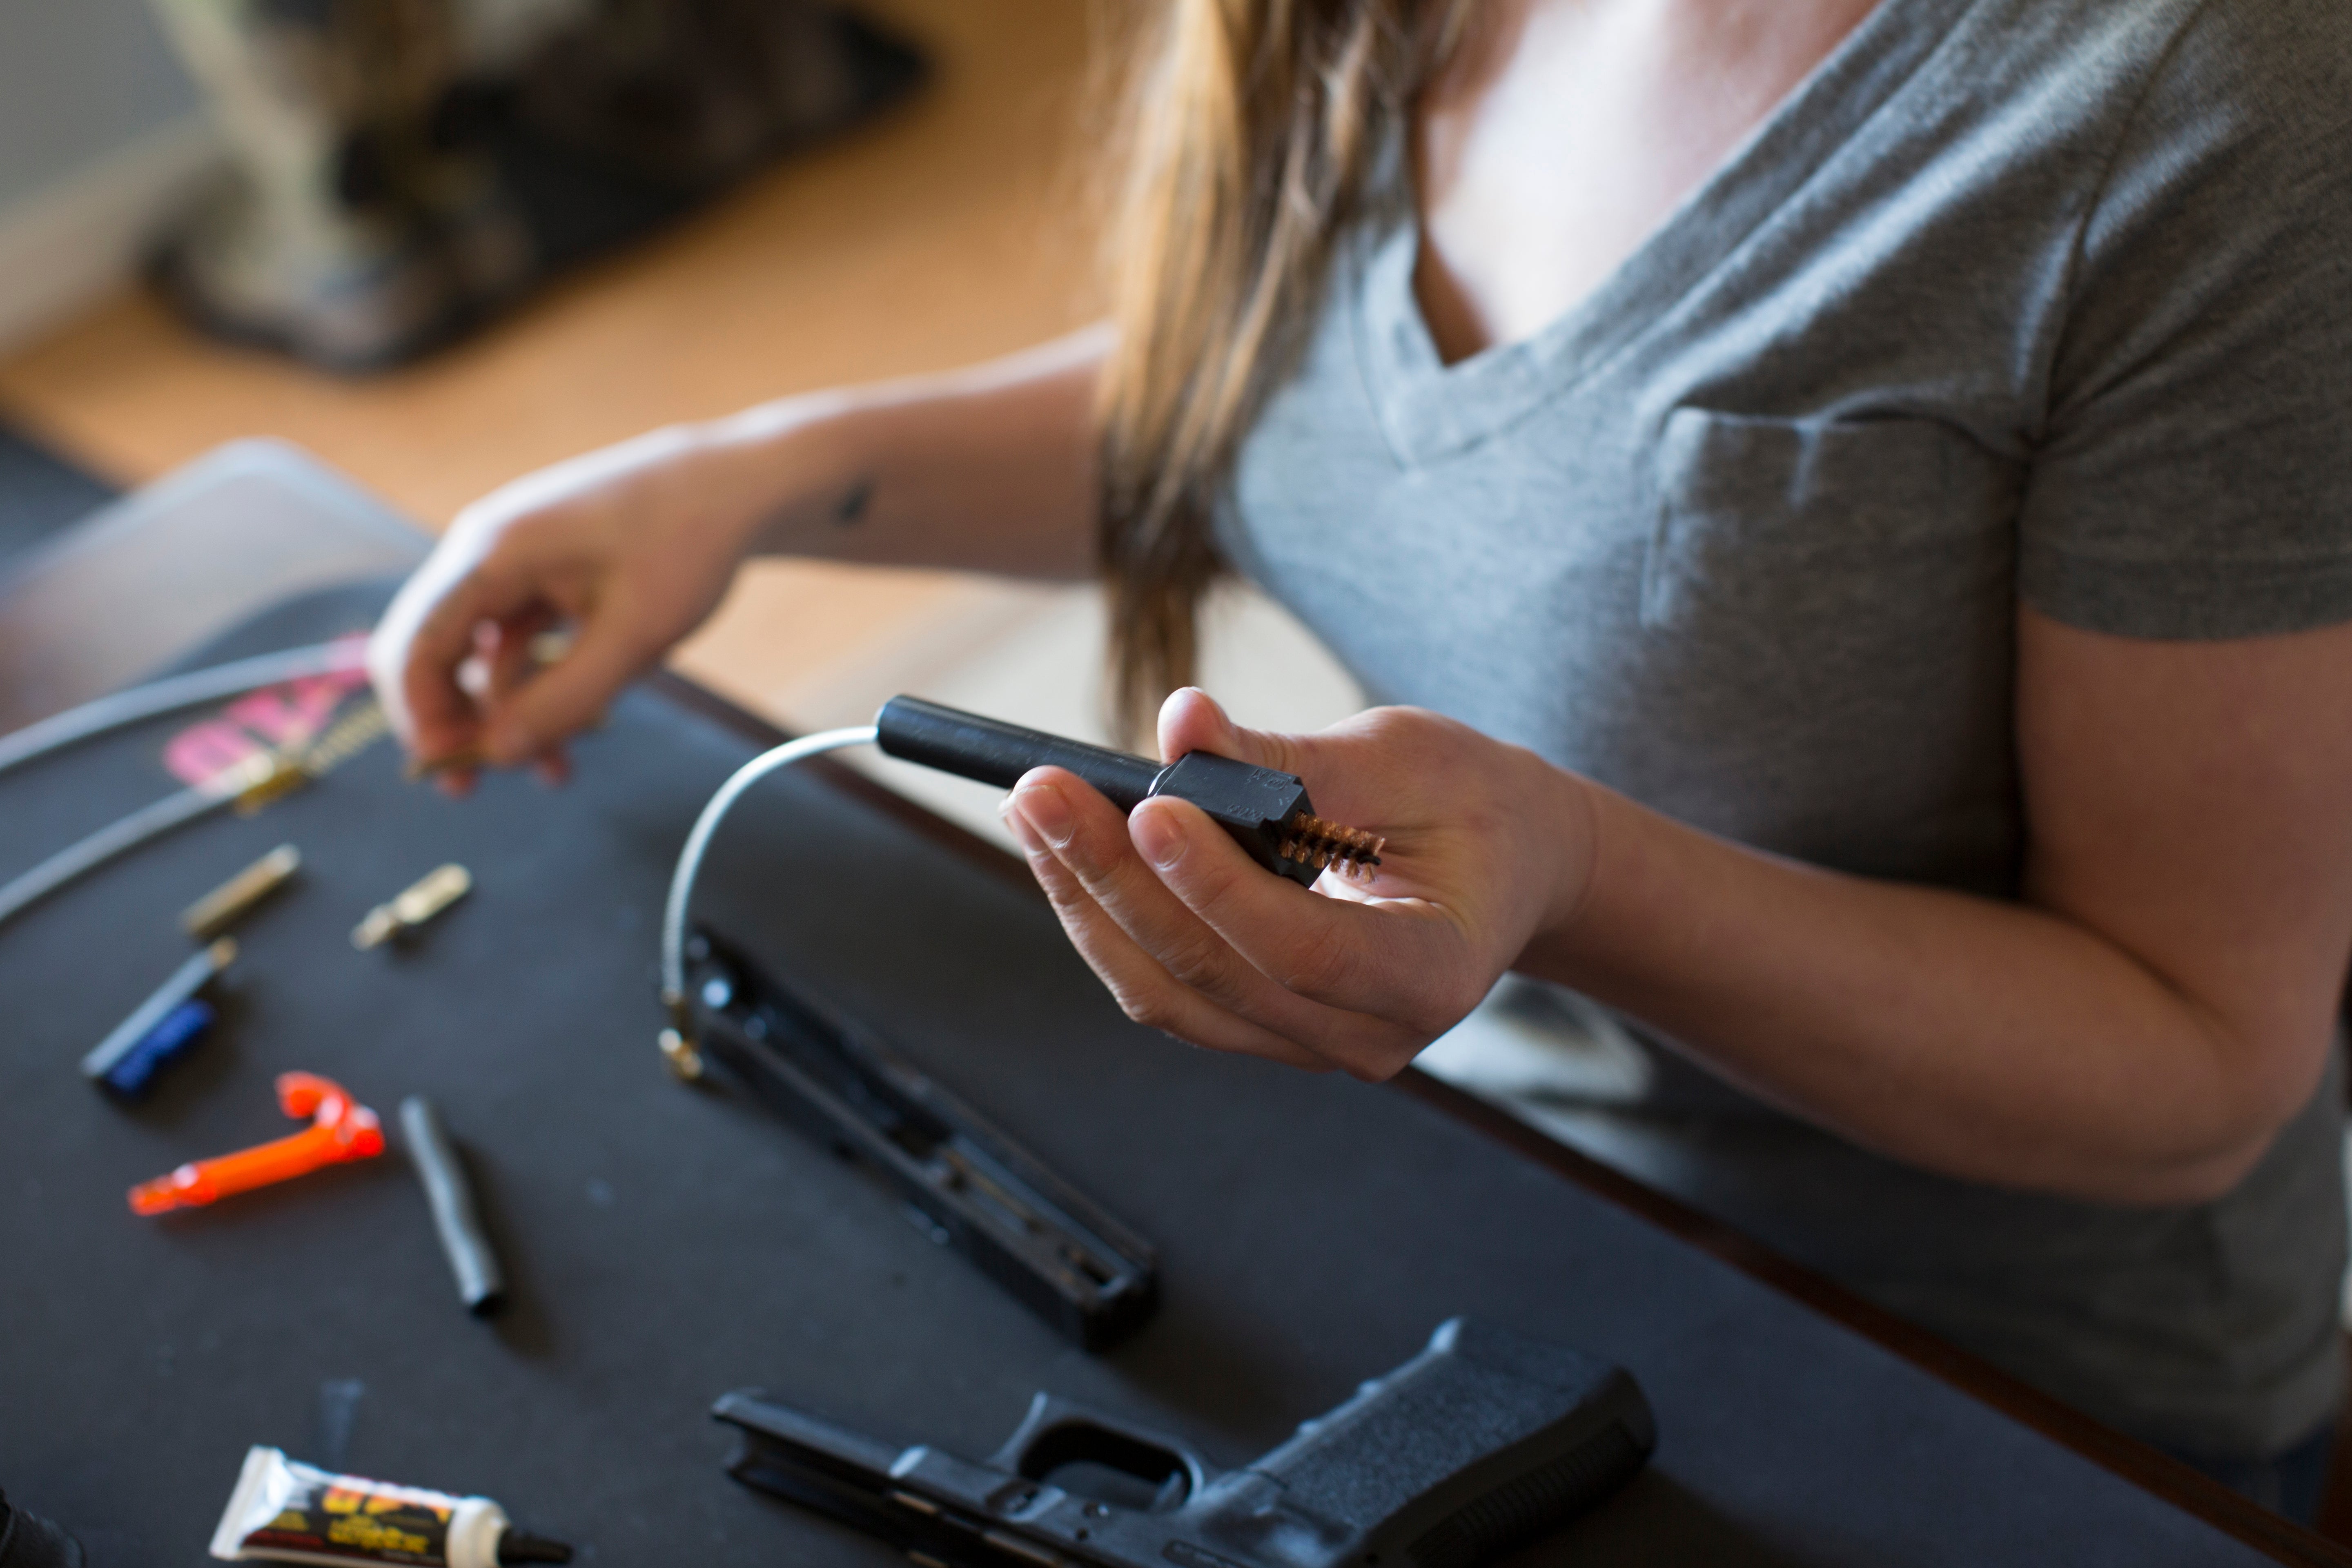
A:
413	906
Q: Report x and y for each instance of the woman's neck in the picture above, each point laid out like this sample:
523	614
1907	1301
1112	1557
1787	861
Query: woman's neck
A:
1567	131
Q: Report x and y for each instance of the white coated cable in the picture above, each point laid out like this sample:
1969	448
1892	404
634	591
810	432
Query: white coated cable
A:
689	859
169	696
171	811
78	860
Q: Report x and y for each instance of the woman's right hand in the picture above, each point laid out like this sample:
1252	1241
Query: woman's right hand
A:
990	468
629	547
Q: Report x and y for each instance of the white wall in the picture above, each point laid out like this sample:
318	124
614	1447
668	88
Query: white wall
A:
100	132
79	80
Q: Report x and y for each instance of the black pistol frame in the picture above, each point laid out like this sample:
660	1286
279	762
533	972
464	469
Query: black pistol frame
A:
968	1185
1484	1441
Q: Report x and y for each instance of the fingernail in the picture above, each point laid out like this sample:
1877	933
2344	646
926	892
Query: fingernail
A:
1018	826
1161	841
1046	811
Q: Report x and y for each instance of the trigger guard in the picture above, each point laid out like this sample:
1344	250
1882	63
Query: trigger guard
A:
1050	1416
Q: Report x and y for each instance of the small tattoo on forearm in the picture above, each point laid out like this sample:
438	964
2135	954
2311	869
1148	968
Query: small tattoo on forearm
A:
850	510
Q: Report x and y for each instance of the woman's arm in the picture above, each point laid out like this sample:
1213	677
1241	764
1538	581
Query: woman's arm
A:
2136	1030
987	469
990	469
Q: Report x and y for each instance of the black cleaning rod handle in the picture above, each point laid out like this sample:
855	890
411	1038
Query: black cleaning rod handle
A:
998	753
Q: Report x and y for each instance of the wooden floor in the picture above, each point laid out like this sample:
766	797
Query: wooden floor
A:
953	229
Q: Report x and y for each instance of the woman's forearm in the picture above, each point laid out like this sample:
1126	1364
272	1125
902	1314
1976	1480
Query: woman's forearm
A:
1992	1041
990	469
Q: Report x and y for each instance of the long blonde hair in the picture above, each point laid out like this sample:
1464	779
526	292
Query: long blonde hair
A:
1251	133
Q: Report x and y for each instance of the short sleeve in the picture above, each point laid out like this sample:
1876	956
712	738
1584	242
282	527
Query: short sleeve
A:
2194	476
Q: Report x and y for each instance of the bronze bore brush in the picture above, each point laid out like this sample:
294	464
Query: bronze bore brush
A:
1350	851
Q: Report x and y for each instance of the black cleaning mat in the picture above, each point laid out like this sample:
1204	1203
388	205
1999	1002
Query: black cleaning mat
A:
665	1244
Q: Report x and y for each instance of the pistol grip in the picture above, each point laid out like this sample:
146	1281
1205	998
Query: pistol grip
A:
1482	1442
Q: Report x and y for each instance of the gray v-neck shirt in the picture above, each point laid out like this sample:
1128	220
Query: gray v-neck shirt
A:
2046	300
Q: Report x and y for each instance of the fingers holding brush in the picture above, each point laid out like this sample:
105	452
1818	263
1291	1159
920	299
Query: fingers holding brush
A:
1461	849
1380	963
1167	968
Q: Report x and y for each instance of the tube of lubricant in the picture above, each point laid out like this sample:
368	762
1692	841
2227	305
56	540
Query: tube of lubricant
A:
287	1511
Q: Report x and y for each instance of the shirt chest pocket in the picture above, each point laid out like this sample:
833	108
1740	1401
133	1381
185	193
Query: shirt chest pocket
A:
1772	531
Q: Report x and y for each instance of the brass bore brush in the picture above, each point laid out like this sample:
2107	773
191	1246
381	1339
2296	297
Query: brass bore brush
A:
1266	812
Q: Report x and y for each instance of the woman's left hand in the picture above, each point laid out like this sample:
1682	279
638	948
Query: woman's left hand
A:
1487	845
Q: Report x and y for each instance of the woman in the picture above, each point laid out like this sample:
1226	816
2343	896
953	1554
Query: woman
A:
1858	499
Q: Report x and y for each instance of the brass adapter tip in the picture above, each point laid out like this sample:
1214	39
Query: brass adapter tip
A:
679	1055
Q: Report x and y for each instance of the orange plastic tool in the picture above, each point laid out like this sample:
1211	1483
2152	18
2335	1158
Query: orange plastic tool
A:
340	1129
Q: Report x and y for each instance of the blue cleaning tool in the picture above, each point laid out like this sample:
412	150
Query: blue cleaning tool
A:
161	1046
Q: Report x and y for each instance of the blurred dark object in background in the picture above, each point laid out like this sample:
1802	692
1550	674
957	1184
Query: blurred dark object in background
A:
402	171
693	93
28	1541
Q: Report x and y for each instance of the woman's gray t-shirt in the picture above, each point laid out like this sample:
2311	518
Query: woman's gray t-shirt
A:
2038	300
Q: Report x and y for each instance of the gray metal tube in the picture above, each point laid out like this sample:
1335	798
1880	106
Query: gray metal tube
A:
481	1284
